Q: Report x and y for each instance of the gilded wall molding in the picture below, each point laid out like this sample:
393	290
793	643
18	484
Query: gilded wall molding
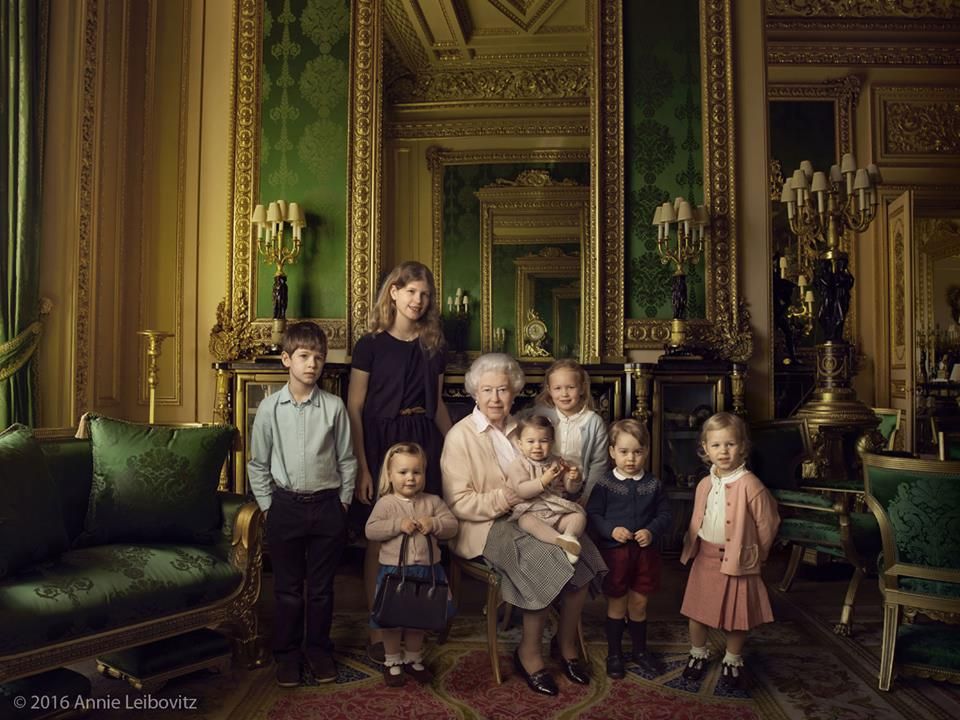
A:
726	326
918	125
540	127
238	333
494	83
946	9
806	53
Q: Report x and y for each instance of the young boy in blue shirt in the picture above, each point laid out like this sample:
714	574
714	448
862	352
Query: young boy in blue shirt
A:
302	473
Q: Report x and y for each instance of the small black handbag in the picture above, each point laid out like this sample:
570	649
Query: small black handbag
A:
411	602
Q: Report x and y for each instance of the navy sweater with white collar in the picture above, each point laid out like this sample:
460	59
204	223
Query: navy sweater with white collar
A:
633	504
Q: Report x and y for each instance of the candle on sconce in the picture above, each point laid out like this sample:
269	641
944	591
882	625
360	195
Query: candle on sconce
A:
808	298
450	303
466	303
802	281
783	267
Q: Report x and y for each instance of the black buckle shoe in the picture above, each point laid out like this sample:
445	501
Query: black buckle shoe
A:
695	668
732	677
615	669
540	682
576	670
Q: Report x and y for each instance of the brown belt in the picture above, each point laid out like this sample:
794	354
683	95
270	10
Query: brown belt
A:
414	411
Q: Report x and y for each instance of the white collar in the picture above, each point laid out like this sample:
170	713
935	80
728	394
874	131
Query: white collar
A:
620	476
571	418
727	479
482	422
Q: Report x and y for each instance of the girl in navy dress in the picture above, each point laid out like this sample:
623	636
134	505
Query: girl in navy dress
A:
396	378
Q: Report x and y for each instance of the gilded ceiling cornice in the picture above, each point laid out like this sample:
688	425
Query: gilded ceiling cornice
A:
786	53
540	127
494	83
947	9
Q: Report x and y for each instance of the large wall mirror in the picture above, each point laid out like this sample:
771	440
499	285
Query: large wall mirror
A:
631	101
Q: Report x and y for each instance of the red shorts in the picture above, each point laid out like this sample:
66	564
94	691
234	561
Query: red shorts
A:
631	567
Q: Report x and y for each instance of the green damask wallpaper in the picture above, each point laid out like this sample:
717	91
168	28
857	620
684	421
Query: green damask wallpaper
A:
303	146
461	233
664	145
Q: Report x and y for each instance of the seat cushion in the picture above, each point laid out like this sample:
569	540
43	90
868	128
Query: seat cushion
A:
154	483
797	497
31	520
930	587
815	528
94	589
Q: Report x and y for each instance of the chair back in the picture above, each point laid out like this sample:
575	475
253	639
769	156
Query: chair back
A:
917	505
889	424
948	445
778	450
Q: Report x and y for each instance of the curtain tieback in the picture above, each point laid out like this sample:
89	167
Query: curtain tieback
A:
14	353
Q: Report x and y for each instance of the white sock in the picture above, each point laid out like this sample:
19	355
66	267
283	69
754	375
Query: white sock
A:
733	660
413	658
701	653
394	661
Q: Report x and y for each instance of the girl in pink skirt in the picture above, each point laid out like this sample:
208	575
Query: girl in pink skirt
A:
734	523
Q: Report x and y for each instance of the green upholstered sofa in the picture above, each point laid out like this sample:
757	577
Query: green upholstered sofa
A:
90	598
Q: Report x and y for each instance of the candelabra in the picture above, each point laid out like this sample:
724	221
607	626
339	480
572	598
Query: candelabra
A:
680	233
272	223
458	324
155	339
821	210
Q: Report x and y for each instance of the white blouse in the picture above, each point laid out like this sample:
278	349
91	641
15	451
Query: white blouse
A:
714	518
569	440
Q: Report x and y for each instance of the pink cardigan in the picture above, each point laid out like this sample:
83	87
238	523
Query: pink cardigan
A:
473	485
384	526
751	521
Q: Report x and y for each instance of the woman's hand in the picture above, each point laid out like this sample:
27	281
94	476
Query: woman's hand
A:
408	526
621	534
425	524
511	496
364	491
643	537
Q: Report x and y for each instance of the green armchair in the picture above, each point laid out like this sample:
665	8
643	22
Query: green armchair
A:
889	425
917	505
812	518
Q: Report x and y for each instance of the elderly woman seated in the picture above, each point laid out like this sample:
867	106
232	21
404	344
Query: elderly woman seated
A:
476	454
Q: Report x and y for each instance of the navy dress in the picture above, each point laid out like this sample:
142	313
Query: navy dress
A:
403	377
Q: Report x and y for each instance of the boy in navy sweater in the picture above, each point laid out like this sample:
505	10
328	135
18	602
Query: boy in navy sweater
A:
628	511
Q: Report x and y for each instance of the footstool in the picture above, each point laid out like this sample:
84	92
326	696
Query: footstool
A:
148	667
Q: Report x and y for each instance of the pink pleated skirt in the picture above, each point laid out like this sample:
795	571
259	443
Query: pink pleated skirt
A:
727	602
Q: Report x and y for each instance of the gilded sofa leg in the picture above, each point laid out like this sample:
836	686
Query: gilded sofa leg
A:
796	553
888	644
846	615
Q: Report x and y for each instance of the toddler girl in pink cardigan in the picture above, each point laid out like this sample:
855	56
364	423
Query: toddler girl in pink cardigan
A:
734	523
404	509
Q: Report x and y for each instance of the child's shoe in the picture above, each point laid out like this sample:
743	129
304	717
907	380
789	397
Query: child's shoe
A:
322	665
615	669
393	674
422	676
732	677
648	664
570	546
695	667
288	673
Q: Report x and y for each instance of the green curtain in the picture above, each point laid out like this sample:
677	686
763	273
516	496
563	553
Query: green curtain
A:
23	29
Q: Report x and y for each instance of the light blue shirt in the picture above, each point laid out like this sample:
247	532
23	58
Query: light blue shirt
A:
302	447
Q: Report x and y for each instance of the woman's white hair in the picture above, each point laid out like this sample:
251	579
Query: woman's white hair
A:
498	363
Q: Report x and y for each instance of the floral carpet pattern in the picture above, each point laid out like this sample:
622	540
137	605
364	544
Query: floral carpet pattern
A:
798	668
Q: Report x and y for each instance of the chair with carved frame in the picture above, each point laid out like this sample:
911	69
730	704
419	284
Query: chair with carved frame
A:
479	570
889	426
917	505
948	445
815	520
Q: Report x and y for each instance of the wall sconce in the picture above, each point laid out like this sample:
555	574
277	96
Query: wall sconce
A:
681	228
272	223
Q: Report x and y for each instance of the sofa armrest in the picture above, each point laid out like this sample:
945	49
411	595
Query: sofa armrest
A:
242	526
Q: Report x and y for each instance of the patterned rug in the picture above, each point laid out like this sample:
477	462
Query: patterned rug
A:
799	668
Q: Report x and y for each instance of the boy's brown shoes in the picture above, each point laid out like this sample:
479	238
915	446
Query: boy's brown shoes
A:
323	667
288	673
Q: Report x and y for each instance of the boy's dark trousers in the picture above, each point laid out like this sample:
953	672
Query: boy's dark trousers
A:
306	534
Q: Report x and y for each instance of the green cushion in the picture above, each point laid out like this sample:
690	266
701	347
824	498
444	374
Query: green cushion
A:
936	644
802	498
925	514
888	423
930	587
93	589
823	529
71	466
155	483
31	521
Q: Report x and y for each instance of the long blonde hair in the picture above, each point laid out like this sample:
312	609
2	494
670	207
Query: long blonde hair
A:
583	379
385	488
384	311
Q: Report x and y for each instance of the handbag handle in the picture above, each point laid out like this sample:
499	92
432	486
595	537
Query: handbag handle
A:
401	565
